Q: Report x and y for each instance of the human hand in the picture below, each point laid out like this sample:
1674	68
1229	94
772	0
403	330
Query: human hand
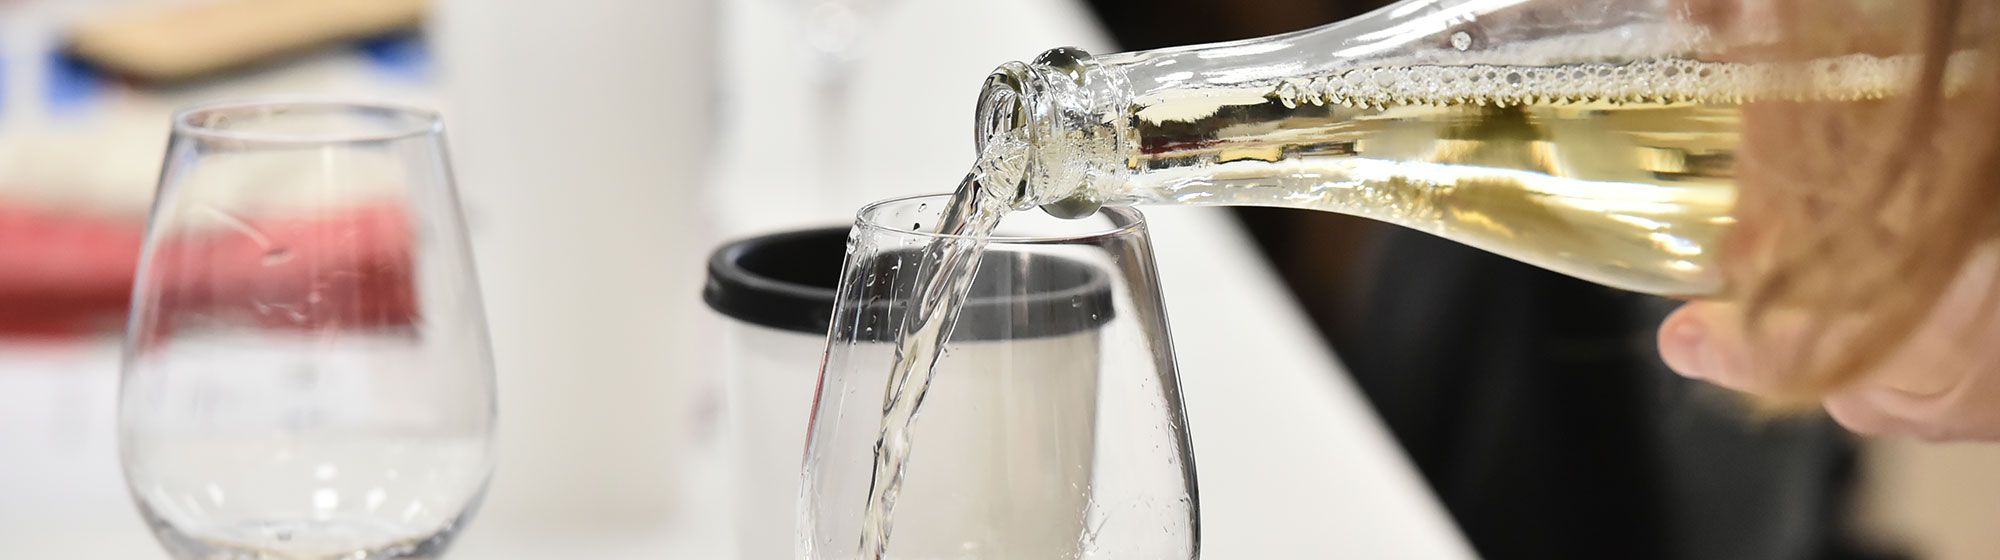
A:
1942	383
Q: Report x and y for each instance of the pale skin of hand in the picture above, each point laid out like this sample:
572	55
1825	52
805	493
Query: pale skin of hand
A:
1943	384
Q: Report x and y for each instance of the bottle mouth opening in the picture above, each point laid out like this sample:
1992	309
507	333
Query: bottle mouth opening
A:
1002	112
1000	107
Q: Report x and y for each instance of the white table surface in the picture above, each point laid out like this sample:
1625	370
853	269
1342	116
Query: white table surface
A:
1292	464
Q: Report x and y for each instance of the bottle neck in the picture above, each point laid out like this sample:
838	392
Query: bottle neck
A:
1061	119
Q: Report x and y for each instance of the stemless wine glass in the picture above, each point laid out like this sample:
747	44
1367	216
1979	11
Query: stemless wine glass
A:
306	373
1053	427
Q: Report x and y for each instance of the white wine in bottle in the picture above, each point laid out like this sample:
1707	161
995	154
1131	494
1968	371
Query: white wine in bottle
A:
1599	143
1628	195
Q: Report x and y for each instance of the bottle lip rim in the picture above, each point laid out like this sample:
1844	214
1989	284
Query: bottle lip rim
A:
1125	222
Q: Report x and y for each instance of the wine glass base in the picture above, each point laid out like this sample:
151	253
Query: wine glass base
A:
303	538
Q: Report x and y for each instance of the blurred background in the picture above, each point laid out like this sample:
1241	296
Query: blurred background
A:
604	146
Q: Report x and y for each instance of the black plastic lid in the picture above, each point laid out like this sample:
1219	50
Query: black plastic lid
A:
783	281
788	280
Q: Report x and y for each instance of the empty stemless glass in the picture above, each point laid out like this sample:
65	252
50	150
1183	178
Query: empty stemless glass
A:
307	373
1053	427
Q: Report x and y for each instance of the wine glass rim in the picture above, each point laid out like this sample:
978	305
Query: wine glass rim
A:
422	121
1124	222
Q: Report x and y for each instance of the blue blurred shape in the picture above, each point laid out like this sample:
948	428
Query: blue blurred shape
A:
403	55
71	84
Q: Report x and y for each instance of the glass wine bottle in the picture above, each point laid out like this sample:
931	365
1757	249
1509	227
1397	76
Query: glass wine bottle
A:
1592	138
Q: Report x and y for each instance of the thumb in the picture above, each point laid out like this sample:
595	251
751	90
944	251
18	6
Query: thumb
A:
1705	340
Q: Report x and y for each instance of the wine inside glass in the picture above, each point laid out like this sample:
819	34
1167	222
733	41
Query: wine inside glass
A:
307	373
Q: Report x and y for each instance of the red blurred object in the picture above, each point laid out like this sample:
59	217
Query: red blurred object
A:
64	273
67	273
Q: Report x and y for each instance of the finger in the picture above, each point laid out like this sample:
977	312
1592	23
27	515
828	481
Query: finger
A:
1856	413
1708	340
1944	381
1963	410
1704	340
1953	345
1881	411
1682	336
